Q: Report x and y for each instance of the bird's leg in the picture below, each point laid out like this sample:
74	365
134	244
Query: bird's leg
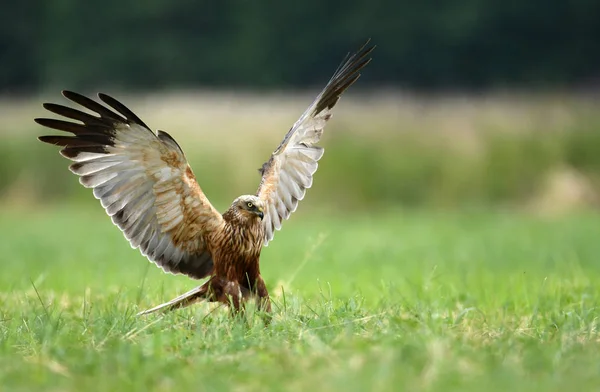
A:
233	295
256	288
260	290
229	293
263	301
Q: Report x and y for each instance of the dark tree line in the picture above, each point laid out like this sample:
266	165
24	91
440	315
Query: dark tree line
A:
424	44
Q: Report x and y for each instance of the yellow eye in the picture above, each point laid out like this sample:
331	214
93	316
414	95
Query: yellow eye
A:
250	205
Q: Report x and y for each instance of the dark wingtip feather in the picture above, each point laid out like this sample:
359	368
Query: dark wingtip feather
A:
124	110
74	114
73	152
345	75
61	125
94	106
74	128
87	140
71	95
50	139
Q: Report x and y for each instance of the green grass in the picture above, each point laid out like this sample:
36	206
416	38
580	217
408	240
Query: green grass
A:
419	301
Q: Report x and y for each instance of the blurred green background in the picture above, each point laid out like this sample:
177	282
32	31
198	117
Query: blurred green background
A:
470	103
272	44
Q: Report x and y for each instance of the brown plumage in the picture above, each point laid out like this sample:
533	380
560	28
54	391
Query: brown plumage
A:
146	186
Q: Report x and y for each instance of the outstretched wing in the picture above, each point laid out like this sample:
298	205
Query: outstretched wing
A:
289	171
142	180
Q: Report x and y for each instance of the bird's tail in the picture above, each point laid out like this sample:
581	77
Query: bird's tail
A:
187	299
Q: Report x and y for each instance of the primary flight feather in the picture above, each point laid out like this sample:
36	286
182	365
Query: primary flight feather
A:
146	186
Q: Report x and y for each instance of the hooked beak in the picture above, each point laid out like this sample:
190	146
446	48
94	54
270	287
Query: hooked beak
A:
260	214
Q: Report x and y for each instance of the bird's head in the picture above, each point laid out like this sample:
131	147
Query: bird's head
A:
250	206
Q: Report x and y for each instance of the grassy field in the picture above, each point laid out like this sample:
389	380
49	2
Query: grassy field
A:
375	300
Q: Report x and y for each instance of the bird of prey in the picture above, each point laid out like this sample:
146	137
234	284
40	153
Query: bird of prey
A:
146	186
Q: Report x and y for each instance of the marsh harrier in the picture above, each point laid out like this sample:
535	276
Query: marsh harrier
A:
146	186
